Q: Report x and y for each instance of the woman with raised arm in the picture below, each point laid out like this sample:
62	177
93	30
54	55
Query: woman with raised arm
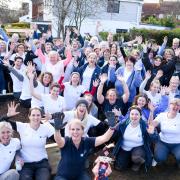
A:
111	102
52	102
56	65
132	77
169	123
134	142
149	111
75	150
81	112
74	89
33	135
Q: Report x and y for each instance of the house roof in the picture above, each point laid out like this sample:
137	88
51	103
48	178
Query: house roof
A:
167	7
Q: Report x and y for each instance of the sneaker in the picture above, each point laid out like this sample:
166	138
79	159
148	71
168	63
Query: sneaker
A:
154	163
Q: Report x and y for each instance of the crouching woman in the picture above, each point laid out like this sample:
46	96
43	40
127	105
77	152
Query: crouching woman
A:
75	151
8	148
134	142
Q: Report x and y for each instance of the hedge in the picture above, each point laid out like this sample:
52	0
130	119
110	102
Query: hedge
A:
158	35
19	25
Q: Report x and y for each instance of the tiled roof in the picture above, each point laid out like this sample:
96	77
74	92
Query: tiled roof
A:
164	8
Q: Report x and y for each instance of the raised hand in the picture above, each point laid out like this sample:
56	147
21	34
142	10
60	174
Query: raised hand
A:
111	118
177	52
12	46
165	40
6	62
96	83
150	128
30	67
139	40
145	47
68	32
163	90
159	74
12	107
148	75
58	120
103	77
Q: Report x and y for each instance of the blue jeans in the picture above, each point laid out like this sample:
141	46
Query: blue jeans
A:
35	171
162	150
124	158
84	176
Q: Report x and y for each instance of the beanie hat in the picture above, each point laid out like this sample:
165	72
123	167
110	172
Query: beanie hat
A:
82	101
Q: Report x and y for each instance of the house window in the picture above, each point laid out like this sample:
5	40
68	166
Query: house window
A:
113	6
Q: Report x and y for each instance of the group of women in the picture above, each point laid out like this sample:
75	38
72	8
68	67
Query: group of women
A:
71	99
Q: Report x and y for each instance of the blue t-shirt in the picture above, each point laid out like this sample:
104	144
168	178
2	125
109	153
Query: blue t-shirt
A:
72	162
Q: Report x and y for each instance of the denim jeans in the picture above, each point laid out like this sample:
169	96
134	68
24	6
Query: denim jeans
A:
35	171
84	176
11	174
162	150
124	158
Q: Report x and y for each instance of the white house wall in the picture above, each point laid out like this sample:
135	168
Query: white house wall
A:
129	16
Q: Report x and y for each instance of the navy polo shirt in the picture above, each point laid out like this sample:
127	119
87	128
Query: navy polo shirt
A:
72	162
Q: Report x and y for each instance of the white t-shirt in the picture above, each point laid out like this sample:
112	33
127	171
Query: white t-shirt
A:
25	94
33	141
40	89
57	69
7	154
132	137
51	105
126	74
87	75
170	128
17	84
91	121
72	94
12	57
154	99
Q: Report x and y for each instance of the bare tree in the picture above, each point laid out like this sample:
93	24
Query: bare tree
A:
7	15
82	9
4	3
60	9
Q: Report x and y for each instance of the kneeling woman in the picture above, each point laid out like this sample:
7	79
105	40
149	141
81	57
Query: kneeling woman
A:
169	133
133	145
8	148
75	151
33	137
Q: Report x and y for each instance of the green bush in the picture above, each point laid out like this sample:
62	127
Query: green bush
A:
158	35
168	21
